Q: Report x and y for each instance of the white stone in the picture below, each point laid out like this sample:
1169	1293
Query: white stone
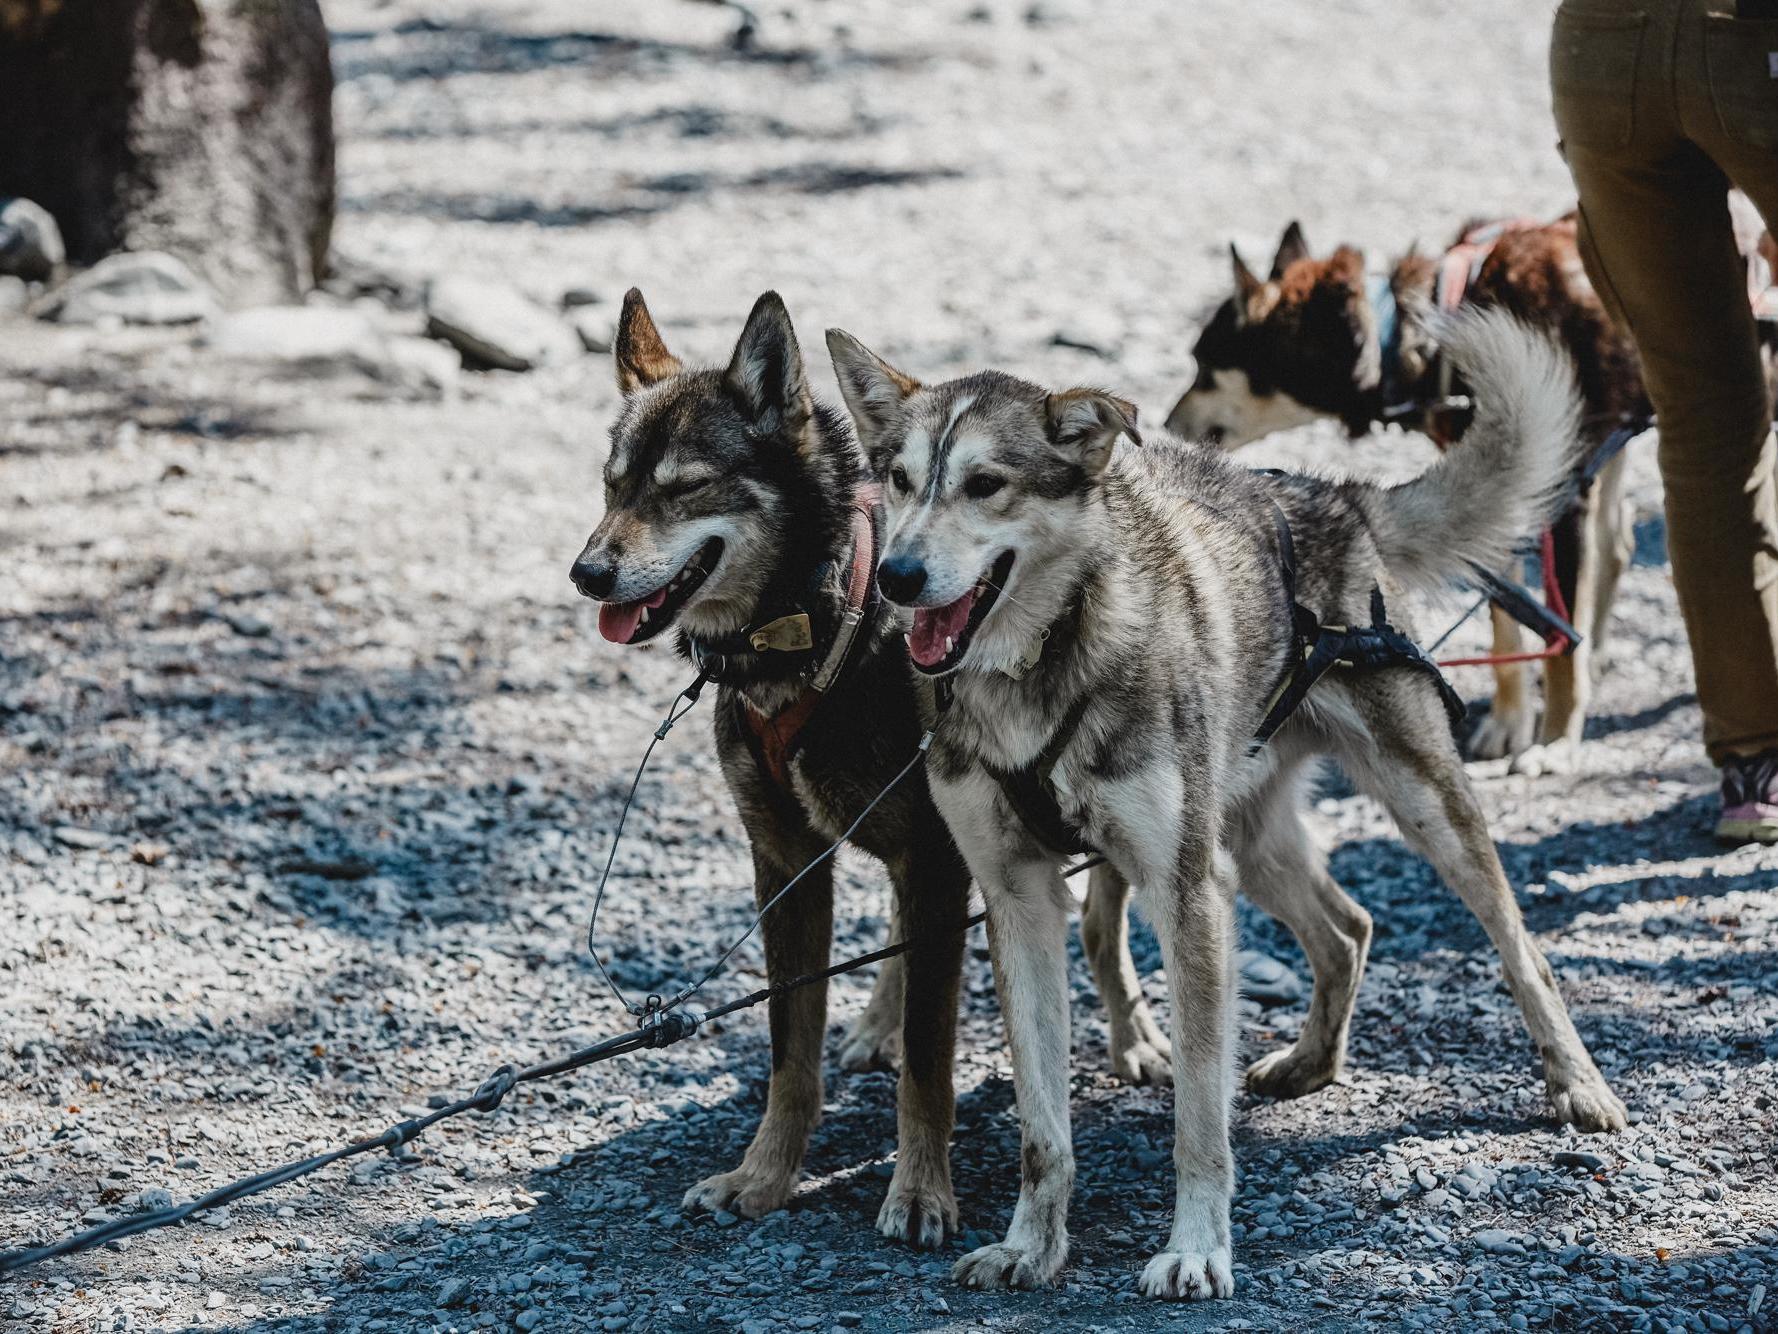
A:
494	325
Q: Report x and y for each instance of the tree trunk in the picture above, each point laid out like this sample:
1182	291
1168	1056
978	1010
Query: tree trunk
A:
200	127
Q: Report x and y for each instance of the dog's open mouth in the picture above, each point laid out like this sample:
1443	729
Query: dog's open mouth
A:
941	635
643	619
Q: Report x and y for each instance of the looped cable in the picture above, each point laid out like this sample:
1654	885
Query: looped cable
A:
675	711
493	1090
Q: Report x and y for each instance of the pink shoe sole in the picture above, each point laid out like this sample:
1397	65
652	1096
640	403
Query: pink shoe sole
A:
1754	822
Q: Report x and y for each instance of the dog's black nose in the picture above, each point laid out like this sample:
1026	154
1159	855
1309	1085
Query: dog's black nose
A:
901	578
594	577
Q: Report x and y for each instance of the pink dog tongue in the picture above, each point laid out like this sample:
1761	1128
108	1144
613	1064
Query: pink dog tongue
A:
933	625
619	621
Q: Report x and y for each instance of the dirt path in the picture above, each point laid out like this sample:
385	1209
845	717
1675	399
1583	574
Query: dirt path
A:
308	648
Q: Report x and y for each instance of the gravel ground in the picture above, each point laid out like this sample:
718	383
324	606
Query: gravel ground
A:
308	753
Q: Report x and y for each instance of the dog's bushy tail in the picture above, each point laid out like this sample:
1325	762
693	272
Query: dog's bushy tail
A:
1506	478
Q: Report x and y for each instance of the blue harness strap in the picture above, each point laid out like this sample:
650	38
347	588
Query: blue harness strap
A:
1379	290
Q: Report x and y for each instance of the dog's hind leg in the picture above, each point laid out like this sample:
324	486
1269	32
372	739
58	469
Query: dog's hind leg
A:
875	1040
1568	678
1411	766
932	891
1511	724
1138	1047
1283	872
798	936
1614	545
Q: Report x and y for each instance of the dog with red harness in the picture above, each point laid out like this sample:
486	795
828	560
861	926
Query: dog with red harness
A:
1326	337
740	520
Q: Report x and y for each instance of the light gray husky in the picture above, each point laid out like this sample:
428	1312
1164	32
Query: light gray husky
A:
1114	622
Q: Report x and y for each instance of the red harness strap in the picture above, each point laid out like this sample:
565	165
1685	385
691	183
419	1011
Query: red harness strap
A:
1552	598
777	734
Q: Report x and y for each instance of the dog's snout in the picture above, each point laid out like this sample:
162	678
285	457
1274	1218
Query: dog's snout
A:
901	578
594	576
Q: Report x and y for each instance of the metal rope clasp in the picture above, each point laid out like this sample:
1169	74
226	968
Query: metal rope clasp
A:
663	1026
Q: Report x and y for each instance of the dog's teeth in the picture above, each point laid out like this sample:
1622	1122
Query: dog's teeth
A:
909	639
948	644
644	620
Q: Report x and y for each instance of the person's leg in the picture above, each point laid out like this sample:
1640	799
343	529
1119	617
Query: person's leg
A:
1658	243
1725	104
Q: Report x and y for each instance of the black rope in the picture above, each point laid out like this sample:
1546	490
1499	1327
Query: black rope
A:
661	1025
663	1030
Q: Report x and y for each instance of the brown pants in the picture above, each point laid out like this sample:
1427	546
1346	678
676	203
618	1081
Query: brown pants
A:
1661	104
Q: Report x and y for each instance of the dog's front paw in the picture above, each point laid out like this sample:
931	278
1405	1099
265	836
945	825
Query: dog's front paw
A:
1549	757
1141	1060
745	1191
1588	1104
1006	1266
1290	1073
1184	1276
1502	735
869	1047
919	1214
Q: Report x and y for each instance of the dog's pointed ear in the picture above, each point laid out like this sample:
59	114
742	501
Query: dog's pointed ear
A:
1292	246
766	372
1247	283
873	389
642	356
1087	423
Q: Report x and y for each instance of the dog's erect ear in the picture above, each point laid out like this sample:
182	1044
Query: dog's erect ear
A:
1247	283
1087	423
873	389
642	358
1291	247
766	371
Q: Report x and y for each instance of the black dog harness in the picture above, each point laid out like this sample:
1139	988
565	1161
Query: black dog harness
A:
778	737
1316	649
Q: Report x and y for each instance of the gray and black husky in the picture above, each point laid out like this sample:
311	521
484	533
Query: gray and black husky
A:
1114	622
733	512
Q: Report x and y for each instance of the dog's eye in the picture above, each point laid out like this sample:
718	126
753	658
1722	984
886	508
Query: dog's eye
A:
981	485
899	476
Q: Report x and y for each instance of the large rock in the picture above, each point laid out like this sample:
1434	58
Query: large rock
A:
30	242
294	333
493	325
322	339
144	287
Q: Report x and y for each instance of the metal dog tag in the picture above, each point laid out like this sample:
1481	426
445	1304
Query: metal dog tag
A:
1029	658
787	634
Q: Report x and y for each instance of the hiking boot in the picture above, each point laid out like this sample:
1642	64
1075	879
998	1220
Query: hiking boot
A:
1749	799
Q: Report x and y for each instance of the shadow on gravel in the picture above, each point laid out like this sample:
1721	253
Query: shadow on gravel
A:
656	194
695	120
1608	724
431	49
1650	551
84	404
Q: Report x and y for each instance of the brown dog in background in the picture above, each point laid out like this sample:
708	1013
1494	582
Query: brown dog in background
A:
1319	338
